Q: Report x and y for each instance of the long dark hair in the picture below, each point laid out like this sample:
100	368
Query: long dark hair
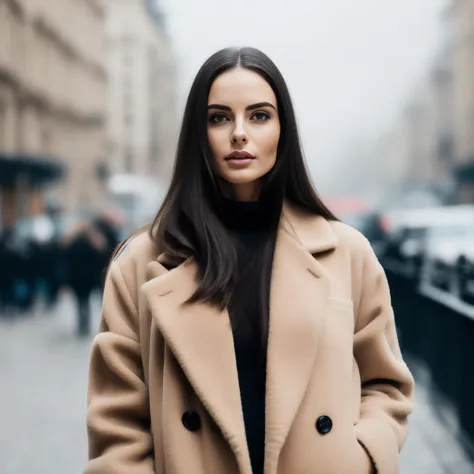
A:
188	222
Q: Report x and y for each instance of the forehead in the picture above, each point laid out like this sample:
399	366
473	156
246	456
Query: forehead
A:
241	87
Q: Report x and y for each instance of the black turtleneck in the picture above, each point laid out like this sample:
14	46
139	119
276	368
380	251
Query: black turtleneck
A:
248	222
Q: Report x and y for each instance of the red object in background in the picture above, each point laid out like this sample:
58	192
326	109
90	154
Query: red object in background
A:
347	205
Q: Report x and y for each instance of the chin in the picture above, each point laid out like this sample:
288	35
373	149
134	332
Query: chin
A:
241	177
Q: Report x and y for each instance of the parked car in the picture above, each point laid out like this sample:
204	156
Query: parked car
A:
449	259
406	242
404	246
465	270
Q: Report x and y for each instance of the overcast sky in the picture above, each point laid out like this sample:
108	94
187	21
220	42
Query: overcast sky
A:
349	64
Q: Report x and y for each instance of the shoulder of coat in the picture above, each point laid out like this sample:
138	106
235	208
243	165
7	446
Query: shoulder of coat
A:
351	238
139	246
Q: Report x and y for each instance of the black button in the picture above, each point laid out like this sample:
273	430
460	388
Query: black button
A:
324	425
191	420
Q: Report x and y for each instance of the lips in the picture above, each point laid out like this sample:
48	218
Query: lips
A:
240	155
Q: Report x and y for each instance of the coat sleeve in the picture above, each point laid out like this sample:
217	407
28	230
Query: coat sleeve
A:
118	419
387	384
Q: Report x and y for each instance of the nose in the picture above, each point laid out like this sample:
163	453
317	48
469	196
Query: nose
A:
239	136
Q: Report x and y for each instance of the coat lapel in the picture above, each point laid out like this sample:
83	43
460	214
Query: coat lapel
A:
200	335
300	291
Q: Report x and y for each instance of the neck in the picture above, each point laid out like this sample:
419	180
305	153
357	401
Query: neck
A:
248	192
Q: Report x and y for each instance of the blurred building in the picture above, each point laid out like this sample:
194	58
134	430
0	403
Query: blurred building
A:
461	15
431	146
141	103
390	158
418	150
425	115
52	105
399	154
443	149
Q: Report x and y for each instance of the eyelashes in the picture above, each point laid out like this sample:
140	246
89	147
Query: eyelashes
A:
264	116
219	117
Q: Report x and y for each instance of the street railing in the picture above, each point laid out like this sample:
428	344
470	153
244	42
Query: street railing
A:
437	328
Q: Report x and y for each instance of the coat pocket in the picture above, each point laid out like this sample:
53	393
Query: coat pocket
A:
364	462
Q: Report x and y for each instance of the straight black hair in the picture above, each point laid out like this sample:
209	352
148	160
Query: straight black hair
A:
188	222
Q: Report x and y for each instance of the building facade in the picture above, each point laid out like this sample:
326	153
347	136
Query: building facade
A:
52	103
142	98
461	15
431	145
443	141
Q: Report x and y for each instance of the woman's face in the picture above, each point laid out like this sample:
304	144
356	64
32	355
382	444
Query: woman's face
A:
243	130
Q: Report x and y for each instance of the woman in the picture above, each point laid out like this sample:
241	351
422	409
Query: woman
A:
249	331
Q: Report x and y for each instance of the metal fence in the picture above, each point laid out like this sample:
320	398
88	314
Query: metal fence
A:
438	330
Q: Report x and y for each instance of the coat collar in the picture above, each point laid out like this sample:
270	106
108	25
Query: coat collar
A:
314	232
201	339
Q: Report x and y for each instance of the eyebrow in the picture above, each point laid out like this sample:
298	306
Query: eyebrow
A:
250	107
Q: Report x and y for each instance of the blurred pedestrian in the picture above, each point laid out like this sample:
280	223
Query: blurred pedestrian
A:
16	279
248	327
108	224
54	276
86	251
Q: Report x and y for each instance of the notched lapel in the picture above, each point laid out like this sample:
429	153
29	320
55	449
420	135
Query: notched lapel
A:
200	337
300	291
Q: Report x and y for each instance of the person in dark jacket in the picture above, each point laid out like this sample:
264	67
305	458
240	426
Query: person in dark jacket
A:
87	252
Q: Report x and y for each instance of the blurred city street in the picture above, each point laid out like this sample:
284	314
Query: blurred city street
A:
47	434
92	100
44	367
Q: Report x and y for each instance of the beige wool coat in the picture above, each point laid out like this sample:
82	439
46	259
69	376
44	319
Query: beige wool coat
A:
163	391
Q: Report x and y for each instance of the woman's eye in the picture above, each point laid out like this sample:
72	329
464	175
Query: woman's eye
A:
218	118
260	116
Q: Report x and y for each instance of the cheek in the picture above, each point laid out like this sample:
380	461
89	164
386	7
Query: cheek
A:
216	141
269	142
